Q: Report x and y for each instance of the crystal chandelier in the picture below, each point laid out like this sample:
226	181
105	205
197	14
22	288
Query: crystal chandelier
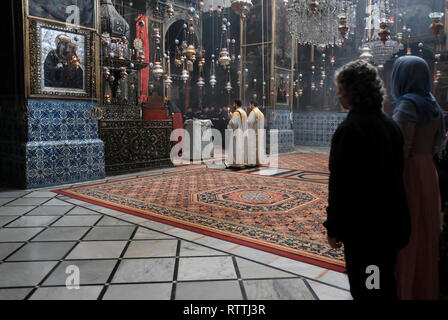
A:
380	46
382	52
321	23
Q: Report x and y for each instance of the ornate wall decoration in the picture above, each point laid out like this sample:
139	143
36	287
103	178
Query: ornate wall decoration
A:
60	62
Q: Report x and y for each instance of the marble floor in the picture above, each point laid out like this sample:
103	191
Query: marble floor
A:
45	236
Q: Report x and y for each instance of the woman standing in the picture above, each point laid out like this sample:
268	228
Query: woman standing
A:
421	121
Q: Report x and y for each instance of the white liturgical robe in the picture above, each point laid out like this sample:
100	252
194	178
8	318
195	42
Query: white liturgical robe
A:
235	144
255	137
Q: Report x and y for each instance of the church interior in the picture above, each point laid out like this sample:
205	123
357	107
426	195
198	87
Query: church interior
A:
113	183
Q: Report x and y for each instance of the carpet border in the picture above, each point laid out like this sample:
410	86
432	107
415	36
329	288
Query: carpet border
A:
283	253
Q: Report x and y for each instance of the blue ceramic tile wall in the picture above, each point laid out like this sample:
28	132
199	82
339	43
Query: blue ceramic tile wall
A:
316	129
281	121
63	144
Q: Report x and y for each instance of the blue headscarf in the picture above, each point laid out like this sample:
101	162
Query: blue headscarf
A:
411	81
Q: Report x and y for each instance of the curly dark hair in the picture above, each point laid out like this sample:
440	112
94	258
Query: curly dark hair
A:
362	84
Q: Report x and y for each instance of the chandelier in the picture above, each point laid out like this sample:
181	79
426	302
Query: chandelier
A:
378	37
321	23
382	52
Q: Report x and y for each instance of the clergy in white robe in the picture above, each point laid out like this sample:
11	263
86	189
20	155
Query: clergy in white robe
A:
236	155
255	136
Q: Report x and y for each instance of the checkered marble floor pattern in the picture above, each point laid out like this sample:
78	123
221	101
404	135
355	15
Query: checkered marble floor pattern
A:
120	256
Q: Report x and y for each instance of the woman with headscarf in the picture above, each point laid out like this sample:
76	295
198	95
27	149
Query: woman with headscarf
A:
420	119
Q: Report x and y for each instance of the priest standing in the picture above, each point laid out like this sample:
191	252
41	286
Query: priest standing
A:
235	141
255	136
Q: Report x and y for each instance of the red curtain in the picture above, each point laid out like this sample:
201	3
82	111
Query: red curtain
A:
142	33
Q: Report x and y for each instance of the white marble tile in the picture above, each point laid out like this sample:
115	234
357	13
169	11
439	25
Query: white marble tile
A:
15	211
146	234
253	270
190	249
56	202
183	234
132	218
4	220
210	268
24	274
156	225
14	294
79	211
76	221
151	291
325	292
109	212
209	290
18	234
62	234
13	194
109	221
151	248
97	250
90	272
28	202
298	267
35	251
216	243
145	270
253	254
64	293
5	200
277	289
7	248
41	194
33	221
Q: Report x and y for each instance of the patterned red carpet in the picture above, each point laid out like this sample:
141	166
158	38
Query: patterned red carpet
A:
278	215
304	161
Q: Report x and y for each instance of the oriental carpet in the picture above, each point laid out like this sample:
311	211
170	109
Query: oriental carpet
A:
280	215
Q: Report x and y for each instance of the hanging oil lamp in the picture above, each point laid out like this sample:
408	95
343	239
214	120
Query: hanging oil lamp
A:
219	10
201	82
228	87
212	80
190	51
170	11
242	7
156	35
224	59
157	70
436	25
201	4
343	29
167	81
185	75
366	53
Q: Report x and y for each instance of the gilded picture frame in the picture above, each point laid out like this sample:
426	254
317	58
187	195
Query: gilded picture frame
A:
60	62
